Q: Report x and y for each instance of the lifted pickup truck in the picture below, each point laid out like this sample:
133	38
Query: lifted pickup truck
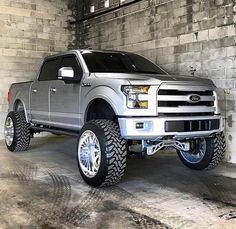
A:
115	102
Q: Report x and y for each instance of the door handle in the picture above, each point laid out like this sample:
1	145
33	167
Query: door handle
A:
34	90
53	89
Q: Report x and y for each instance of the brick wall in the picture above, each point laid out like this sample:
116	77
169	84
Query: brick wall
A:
181	36
30	30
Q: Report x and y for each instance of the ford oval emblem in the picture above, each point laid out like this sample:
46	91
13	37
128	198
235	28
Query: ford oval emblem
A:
193	98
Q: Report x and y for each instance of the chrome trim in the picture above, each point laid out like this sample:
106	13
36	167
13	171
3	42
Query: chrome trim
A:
66	72
185	86
193	107
9	131
89	154
183	98
186	109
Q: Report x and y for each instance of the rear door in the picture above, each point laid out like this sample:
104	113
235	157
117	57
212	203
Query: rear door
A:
64	97
39	94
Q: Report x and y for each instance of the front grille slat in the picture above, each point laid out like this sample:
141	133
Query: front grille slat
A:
177	92
186	114
183	97
176	102
184	103
186	109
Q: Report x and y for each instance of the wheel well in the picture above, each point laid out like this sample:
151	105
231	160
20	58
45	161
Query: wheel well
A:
18	106
100	109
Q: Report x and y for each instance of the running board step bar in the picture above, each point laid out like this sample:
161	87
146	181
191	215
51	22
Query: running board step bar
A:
56	131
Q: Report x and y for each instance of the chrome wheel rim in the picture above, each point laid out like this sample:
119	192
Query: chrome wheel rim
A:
89	154
198	155
9	131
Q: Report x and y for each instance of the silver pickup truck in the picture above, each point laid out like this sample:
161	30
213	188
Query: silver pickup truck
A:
117	103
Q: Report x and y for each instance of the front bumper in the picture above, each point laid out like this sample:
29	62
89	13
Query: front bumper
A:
154	128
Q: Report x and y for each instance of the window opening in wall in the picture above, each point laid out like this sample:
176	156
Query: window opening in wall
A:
107	3
92	9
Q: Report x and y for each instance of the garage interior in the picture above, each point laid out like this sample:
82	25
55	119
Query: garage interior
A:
42	188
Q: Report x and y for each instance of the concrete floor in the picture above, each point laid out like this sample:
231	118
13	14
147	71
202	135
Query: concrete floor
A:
41	188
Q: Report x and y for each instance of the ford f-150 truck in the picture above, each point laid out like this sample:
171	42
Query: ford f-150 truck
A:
115	103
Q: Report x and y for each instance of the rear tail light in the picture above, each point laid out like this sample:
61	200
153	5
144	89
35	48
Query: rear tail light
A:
9	97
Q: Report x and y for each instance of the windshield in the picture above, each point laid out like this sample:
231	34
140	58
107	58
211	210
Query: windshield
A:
119	63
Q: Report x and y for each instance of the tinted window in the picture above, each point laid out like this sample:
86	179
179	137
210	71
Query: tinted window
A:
144	65
119	62
70	61
49	70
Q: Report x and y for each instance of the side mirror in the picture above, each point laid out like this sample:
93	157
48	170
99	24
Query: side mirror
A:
66	74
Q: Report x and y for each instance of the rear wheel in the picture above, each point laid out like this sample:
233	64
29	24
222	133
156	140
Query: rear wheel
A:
205	153
101	153
17	131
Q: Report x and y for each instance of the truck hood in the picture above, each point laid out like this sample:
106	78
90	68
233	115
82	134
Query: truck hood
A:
154	78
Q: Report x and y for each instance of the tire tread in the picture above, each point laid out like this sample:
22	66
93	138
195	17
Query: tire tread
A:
22	132
115	151
218	146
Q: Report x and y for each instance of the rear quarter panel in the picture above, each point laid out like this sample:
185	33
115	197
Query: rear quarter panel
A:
21	92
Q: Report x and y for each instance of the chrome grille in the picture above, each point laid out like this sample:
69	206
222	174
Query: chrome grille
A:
173	100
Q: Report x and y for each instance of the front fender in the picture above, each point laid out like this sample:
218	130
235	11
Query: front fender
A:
115	99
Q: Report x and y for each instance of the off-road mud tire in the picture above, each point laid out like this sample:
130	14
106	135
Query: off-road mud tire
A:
215	151
113	153
21	138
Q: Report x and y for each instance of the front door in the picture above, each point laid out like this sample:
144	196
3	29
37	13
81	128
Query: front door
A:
64	98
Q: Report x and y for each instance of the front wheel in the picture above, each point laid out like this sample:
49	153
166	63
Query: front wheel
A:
101	153
205	153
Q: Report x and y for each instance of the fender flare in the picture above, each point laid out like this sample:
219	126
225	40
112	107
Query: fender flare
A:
104	93
18	100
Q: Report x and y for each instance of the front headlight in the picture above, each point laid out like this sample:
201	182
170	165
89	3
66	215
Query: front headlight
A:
132	96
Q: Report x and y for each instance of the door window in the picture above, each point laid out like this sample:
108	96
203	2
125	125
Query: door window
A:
49	70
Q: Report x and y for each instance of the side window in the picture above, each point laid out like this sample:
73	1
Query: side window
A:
70	61
49	70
